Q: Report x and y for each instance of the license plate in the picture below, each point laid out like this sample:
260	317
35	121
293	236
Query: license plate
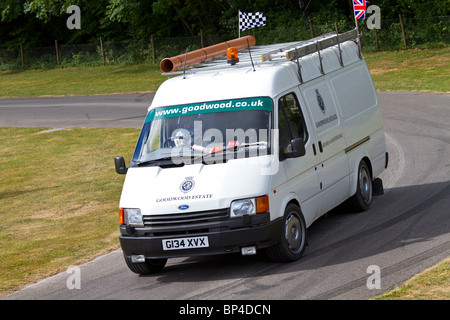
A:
185	243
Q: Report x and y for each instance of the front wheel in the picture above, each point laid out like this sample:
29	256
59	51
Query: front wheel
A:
150	266
292	237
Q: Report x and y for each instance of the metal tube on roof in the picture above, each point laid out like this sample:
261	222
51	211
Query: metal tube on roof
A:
205	54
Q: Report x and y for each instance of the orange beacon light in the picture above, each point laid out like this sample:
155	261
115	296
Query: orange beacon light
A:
232	56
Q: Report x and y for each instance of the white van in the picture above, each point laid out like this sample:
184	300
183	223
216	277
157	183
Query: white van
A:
245	157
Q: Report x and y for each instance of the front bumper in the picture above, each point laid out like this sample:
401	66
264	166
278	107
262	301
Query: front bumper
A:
225	235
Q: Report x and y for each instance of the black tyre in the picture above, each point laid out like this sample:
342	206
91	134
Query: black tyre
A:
362	199
150	266
292	237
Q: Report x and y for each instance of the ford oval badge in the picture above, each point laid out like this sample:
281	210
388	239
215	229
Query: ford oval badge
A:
183	207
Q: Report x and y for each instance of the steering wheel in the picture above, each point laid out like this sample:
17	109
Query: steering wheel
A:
168	143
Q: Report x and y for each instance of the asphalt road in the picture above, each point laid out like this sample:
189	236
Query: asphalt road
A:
406	230
119	110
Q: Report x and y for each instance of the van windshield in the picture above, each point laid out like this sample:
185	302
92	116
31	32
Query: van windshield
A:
211	132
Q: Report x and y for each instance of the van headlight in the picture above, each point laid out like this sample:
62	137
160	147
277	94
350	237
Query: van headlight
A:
244	206
131	217
249	206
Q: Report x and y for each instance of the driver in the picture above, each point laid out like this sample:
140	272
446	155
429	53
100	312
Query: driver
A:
182	138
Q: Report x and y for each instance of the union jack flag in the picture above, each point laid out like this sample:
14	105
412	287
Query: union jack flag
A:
360	7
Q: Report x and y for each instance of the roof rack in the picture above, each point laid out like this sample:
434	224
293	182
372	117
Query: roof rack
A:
279	52
303	48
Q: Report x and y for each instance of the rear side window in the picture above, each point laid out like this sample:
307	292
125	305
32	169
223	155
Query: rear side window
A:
291	123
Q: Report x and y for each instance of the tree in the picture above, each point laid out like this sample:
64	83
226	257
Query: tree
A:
39	22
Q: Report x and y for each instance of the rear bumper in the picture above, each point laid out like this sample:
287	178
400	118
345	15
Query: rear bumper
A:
226	236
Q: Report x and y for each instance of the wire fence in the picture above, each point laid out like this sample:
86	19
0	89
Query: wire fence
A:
394	34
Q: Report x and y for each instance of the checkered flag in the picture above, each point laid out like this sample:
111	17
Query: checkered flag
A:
251	20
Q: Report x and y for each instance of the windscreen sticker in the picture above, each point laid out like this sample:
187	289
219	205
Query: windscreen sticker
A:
261	103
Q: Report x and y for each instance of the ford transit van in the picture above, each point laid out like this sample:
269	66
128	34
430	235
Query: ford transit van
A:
245	157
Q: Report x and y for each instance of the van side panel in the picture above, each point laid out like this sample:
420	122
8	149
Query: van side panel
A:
362	120
358	102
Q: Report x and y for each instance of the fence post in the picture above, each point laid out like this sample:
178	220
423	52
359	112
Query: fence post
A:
57	52
377	43
201	38
103	50
152	38
403	29
21	55
311	29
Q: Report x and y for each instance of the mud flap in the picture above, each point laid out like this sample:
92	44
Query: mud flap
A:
377	187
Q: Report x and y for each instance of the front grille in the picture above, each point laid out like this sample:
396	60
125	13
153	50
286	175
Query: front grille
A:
184	223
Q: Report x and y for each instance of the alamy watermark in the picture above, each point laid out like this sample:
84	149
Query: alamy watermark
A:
74	21
74	280
255	147
374	21
374	280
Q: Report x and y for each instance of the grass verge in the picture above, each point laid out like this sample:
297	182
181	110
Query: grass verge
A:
80	80
432	284
411	70
417	70
59	196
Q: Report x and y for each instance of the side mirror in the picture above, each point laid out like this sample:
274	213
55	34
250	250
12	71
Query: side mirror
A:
298	149
119	162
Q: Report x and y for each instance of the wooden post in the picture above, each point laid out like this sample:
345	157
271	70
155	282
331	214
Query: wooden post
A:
377	43
336	28
311	29
152	39
403	29
201	38
57	52
21	55
103	50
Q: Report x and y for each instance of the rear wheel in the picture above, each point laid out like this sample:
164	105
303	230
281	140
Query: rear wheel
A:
362	199
150	266
292	237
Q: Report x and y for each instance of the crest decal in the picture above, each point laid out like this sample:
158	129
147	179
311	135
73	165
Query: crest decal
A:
187	185
320	101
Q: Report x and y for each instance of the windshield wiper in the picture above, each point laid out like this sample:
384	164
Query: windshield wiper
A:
166	161
205	152
153	161
234	147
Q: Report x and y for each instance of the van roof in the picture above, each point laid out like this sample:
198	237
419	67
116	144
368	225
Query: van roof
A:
226	84
218	80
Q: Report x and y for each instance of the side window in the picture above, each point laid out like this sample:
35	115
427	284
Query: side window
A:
291	123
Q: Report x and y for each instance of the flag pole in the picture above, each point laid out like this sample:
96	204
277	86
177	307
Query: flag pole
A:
239	22
357	28
357	32
359	37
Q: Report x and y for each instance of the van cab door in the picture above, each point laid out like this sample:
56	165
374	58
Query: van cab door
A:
301	171
334	180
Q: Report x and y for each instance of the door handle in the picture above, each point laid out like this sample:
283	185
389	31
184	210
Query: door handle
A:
320	147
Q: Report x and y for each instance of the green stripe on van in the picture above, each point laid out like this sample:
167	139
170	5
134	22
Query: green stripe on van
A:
259	103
